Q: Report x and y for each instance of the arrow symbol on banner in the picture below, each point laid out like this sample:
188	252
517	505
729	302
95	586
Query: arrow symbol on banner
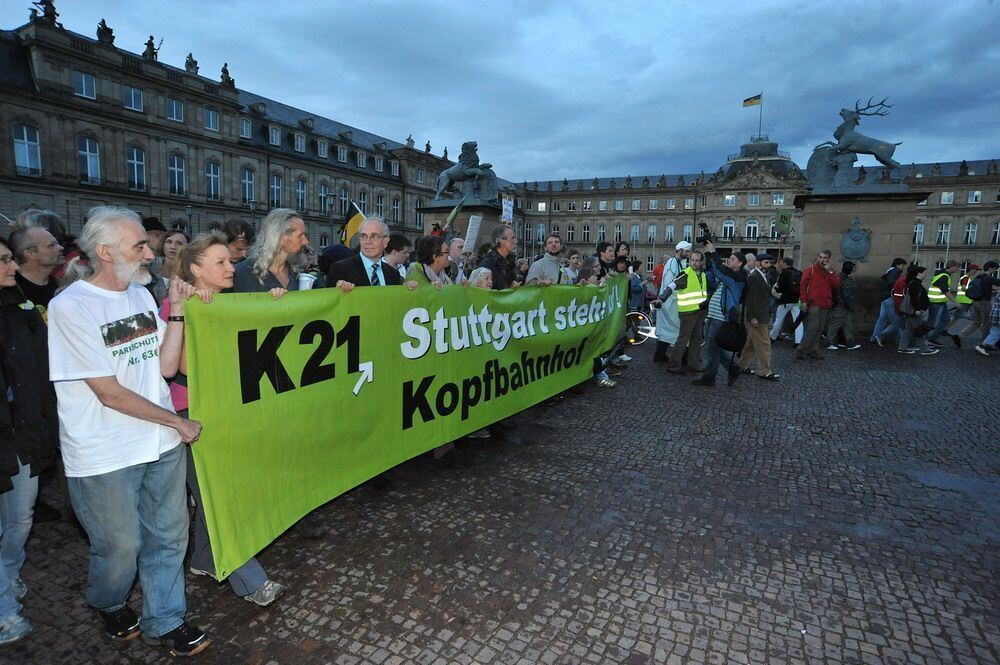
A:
367	375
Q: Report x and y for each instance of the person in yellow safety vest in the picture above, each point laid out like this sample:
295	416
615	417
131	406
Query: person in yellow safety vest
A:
940	293
691	287
966	312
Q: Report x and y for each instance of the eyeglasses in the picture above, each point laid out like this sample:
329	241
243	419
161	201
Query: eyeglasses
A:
370	236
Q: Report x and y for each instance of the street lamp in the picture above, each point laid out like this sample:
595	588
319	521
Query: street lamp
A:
188	210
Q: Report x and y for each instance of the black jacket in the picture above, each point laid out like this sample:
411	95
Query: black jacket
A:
504	269
29	426
352	270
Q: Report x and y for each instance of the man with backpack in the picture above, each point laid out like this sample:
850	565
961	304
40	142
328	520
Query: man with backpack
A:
888	319
787	288
980	292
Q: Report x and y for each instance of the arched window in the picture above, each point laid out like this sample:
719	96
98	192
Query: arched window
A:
728	229
89	158
300	195
135	167
419	216
324	240
753	229
213	181
570	233
363	201
175	174
275	191
246	181
651	234
345	201
324	200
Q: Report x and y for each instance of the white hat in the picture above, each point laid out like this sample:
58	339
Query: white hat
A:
683	244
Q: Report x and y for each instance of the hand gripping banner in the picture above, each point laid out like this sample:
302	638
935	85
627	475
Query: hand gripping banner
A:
305	397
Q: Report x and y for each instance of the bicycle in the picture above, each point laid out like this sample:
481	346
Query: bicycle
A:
639	326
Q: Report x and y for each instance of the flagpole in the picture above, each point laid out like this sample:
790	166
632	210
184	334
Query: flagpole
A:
760	117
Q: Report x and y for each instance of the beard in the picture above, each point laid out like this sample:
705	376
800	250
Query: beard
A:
132	273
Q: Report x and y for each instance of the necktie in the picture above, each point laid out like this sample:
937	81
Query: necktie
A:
374	279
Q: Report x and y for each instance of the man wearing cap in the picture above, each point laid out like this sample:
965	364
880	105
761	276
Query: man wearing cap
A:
756	317
668	322
156	232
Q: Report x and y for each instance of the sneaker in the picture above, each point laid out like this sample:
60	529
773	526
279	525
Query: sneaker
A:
957	340
623	358
930	352
982	350
184	640
269	592
479	434
606	383
878	340
852	347
121	624
832	347
934	342
19	588
769	377
13	628
907	352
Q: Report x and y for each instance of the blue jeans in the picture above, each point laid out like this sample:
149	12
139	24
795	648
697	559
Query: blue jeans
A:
937	316
17	506
712	353
888	320
137	521
993	337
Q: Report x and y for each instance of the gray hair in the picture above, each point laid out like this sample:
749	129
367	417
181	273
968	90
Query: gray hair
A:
478	276
20	242
273	229
379	220
499	231
102	228
44	219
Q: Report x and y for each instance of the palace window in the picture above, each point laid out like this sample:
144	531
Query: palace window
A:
947	198
361	159
602	206
570	233
395	211
300	195
651	234
323	149
542	206
571	206
274	191
175	110
970	233
778	199
586	233
602	233
671	204
89	160
246	128
654	204
636	204
133	98
135	168
175	174
363	201
380	205
556	206
587	206
728	229
379	163
688	231
345	201
84	85
274	136
246	182
211	119
752	229
996	234
419	216
213	181
668	233
619	205
975	196
300	143
633	234
618	233
420	176
394	168
27	150
729	200
324	199
918	234
341	154
753	199
944	233
689	203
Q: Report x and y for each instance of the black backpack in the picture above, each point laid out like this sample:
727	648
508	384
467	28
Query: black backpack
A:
794	281
975	289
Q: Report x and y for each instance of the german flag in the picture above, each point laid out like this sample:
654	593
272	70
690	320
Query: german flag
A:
753	101
352	223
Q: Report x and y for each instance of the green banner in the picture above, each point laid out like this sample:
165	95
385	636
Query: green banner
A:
305	397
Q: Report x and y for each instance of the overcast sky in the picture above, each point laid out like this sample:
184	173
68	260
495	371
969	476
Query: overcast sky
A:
554	89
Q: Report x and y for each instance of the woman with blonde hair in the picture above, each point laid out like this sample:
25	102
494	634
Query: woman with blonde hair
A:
205	263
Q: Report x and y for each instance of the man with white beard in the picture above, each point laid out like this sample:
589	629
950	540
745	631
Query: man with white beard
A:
120	437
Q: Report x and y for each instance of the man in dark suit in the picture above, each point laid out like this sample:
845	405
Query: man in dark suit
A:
366	268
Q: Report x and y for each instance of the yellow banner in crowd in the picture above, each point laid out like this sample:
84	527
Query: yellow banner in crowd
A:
305	397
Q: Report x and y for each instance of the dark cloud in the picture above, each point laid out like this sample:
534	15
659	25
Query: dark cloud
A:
584	89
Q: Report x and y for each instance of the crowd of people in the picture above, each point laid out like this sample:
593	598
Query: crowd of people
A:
94	369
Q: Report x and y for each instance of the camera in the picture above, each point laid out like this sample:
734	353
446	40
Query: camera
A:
706	235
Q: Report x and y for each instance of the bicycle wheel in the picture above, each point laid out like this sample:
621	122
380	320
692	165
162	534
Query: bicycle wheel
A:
638	328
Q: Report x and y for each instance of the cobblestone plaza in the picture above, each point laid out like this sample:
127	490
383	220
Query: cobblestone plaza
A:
847	514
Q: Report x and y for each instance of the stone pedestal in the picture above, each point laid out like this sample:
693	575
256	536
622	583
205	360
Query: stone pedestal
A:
889	215
438	215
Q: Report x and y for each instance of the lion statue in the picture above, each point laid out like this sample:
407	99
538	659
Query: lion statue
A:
468	179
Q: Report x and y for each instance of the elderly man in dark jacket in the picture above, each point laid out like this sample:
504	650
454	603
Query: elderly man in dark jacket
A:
757	316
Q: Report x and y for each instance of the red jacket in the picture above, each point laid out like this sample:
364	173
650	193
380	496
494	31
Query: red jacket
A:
898	291
817	287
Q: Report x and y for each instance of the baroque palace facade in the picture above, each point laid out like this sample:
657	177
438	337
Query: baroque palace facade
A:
85	123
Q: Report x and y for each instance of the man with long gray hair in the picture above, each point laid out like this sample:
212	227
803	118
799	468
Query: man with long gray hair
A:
121	439
274	261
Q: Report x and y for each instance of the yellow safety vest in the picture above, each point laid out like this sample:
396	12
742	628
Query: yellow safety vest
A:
935	294
960	297
690	298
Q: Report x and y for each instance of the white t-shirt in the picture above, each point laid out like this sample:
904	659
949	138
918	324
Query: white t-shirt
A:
94	332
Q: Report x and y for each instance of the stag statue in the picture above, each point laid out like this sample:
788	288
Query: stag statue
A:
851	140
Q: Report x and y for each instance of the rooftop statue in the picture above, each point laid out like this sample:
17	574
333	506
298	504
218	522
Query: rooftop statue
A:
469	179
152	51
105	34
49	13
832	163
190	64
